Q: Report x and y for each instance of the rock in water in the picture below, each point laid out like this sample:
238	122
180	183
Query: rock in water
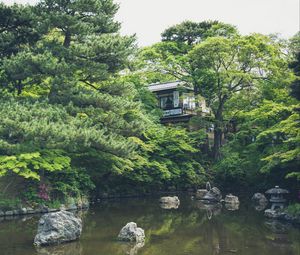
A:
58	227
170	200
274	214
213	195
259	198
131	233
231	199
201	193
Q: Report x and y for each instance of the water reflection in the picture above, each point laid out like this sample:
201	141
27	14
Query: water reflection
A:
192	229
131	248
211	210
260	207
279	237
169	206
73	248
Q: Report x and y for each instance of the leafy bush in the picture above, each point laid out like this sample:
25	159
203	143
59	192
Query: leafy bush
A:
9	204
294	209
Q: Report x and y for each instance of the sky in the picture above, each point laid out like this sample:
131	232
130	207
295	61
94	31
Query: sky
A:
149	18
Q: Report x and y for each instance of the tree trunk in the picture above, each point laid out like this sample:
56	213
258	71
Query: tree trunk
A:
67	40
218	133
218	129
19	87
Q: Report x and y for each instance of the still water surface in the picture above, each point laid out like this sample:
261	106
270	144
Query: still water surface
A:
190	229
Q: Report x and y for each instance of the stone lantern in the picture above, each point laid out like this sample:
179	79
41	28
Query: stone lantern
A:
277	198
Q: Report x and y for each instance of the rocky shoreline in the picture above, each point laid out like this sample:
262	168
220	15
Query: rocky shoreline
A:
281	216
41	210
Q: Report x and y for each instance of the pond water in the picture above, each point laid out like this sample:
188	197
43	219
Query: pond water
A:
193	228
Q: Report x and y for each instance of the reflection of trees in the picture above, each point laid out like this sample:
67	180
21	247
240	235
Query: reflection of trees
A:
279	235
186	230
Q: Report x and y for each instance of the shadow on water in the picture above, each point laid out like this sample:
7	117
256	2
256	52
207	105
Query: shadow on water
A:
192	228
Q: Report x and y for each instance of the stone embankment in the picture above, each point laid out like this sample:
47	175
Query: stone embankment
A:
42	210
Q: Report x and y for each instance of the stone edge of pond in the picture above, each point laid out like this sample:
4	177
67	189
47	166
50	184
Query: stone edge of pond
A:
282	216
42	210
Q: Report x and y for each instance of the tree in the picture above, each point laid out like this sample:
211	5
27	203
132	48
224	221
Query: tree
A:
18	29
294	53
219	68
224	67
63	110
81	40
192	32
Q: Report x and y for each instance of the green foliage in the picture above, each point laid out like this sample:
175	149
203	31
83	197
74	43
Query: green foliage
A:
294	209
192	33
29	165
73	183
18	29
76	113
168	155
9	204
219	68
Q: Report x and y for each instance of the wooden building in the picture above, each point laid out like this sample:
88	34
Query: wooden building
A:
178	101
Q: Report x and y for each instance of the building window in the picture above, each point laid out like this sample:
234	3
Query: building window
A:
189	101
166	102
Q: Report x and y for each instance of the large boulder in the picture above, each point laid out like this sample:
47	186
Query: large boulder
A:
169	202
213	195
131	233
231	199
259	198
281	215
58	227
232	206
200	193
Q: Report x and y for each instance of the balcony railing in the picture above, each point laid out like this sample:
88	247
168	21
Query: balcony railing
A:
178	111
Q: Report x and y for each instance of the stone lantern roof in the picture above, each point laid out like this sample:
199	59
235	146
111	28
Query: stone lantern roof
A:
277	191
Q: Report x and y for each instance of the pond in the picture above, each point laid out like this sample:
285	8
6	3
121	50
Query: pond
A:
191	229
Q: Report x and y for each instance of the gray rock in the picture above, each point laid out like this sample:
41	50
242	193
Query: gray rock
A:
232	206
44	209
200	193
53	210
231	199
72	207
131	233
17	212
23	210
291	218
2	213
260	207
38	210
9	213
30	210
58	227
213	195
259	198
170	200
274	214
